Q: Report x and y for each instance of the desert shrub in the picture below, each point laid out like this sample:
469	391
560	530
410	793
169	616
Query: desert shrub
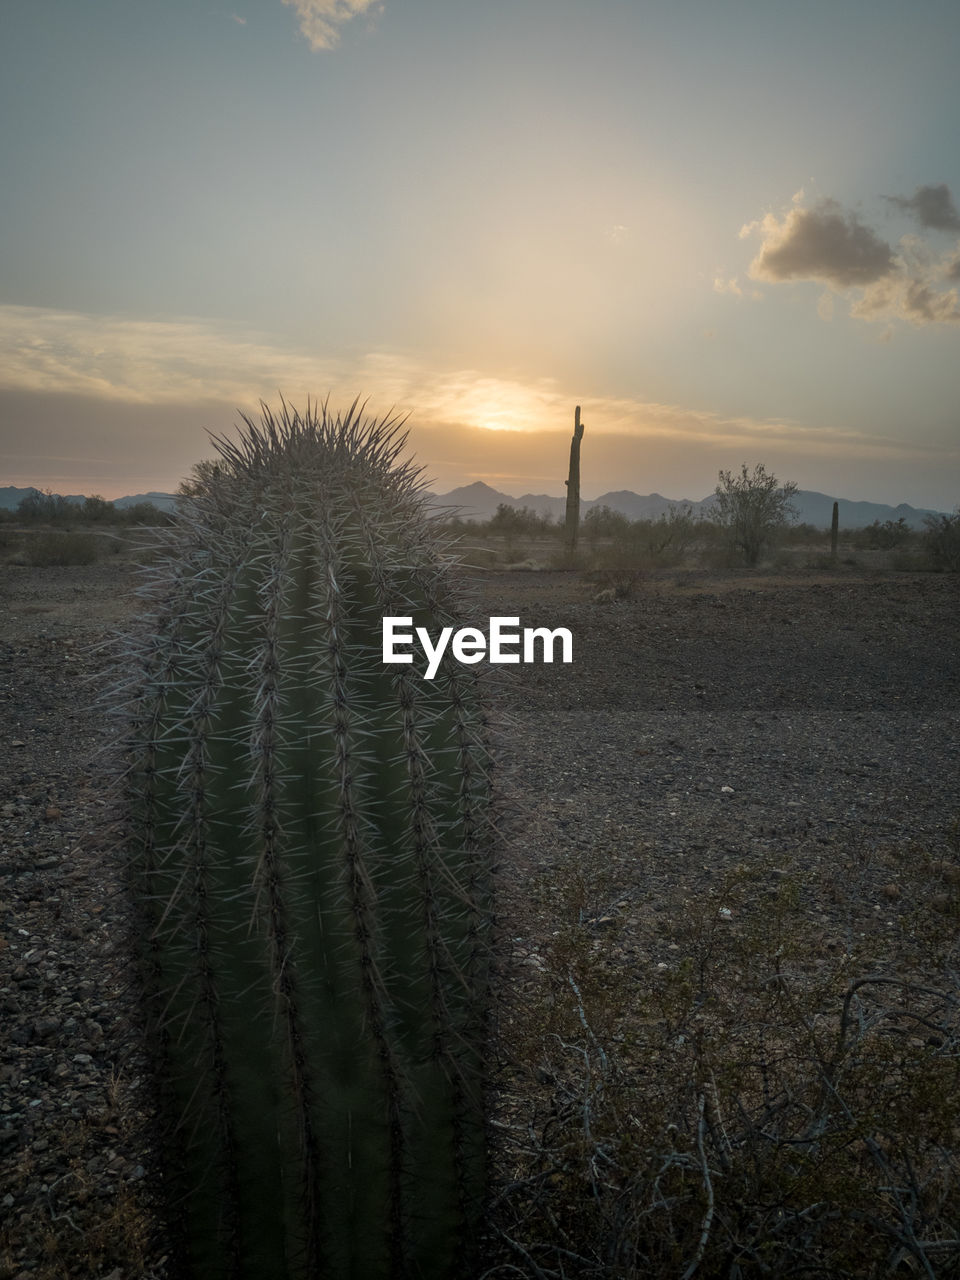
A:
518	521
884	535
46	508
803	534
96	510
665	540
9	538
754	1105
603	522
752	507
144	513
57	548
626	551
615	582
940	542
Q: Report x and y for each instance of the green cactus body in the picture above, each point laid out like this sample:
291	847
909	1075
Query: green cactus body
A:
314	851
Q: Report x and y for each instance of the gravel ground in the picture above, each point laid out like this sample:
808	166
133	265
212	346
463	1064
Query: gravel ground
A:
709	721
739	714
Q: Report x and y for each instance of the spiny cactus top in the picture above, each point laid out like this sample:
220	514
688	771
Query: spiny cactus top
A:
313	852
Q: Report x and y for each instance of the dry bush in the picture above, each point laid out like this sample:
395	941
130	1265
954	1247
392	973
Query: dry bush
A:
608	585
941	542
763	1105
59	548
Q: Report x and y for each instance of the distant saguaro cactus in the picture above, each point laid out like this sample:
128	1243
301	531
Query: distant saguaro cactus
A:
834	531
572	521
313	853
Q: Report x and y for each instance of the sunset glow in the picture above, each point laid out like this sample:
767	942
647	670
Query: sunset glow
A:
721	238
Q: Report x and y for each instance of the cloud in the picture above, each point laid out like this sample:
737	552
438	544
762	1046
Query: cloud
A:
106	404
833	246
932	207
144	361
906	298
320	19
822	243
146	365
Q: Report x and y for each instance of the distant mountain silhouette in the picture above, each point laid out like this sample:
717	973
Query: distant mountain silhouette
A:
478	501
11	497
165	501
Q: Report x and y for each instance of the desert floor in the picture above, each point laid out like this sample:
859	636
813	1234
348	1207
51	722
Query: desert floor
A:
711	727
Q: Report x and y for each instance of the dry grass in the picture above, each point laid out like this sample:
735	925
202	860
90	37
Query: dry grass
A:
767	1104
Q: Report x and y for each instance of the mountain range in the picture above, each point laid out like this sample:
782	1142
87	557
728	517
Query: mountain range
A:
11	497
478	501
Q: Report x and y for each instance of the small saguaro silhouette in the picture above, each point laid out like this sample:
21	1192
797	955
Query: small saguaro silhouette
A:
572	525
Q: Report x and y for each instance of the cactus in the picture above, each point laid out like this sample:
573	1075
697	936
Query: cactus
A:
572	518
834	531
313	848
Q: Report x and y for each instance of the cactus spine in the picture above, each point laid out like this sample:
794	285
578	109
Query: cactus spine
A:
313	848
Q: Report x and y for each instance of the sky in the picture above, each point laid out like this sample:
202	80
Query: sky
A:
728	229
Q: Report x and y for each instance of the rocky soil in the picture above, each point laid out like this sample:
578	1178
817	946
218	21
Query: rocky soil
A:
705	723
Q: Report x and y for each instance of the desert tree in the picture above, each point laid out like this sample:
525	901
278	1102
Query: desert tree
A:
941	541
517	520
752	506
96	510
202	474
604	522
45	508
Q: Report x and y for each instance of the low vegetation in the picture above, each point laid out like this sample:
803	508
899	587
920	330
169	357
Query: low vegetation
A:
51	509
752	508
941	542
751	524
764	1102
58	547
47	530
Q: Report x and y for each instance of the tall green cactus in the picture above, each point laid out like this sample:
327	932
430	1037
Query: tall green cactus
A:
313	848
